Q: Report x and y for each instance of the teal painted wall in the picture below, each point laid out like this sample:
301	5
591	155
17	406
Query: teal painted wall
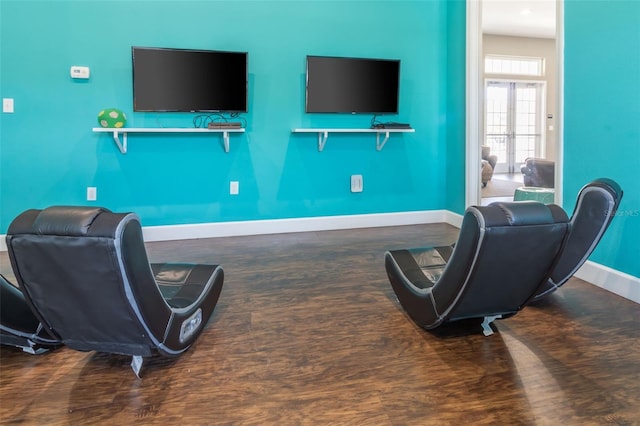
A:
602	116
49	154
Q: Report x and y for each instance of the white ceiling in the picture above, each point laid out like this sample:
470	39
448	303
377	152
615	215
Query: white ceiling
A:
522	18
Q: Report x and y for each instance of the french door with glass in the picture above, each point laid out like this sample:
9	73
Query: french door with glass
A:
513	122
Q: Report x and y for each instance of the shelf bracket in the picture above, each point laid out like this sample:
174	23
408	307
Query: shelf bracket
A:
322	139
122	146
380	145
225	138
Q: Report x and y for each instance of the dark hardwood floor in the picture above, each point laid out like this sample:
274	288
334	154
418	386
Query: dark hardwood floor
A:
308	332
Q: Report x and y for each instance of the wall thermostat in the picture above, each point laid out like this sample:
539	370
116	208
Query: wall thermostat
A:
79	72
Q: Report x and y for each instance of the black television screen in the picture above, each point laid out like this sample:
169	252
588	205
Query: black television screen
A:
352	85
189	80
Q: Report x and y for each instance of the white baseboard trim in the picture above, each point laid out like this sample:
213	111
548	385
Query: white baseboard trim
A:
279	226
617	282
604	277
453	219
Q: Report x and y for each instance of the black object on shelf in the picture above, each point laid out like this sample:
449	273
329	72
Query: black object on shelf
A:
391	125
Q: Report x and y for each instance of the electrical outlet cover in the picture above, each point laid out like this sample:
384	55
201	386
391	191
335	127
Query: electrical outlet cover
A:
92	193
234	187
7	105
356	183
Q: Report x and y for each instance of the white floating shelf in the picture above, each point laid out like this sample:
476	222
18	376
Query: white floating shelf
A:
323	134
122	145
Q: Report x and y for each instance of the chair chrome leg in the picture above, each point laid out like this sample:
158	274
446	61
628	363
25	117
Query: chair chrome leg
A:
136	364
486	324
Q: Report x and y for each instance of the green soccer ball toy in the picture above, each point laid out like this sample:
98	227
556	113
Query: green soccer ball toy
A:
112	117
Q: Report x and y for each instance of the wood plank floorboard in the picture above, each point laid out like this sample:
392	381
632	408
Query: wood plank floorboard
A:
308	332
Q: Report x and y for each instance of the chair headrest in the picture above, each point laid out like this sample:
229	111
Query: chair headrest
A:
66	220
521	213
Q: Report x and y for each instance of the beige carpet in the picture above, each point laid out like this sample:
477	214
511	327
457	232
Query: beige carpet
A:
500	188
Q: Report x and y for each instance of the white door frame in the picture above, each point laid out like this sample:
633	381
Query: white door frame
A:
475	101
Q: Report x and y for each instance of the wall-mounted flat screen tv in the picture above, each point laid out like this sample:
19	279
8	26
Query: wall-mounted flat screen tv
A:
189	80
352	85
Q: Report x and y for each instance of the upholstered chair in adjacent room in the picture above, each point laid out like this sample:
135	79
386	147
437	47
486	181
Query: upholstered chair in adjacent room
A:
538	172
487	165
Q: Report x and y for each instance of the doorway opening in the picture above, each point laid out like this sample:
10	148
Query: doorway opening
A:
513	114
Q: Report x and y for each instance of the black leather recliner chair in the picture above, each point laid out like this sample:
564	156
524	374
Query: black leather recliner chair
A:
19	327
503	253
84	271
507	255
